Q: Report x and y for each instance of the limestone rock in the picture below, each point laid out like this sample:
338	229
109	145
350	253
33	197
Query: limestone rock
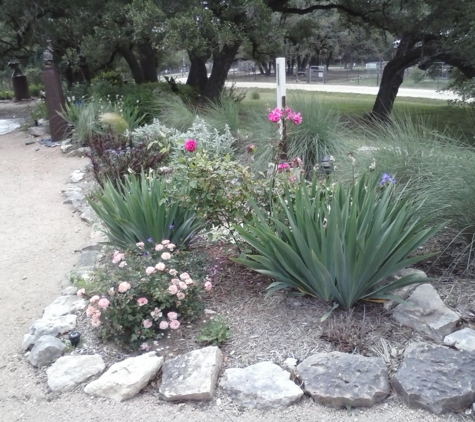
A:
64	305
37	130
49	326
192	376
77	176
69	291
436	378
262	386
69	371
88	259
462	340
339	379
46	349
125	379
426	313
403	292
66	146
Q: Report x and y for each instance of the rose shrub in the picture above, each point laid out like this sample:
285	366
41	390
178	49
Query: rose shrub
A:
137	302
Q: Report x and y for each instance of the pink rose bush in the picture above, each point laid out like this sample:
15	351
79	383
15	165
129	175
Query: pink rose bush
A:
148	296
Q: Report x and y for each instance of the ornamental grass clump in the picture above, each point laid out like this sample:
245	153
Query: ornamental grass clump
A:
139	297
140	210
340	250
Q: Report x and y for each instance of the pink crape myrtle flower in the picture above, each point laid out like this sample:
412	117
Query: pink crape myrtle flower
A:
163	325
142	301
172	316
208	286
103	303
123	287
175	324
150	270
147	323
190	145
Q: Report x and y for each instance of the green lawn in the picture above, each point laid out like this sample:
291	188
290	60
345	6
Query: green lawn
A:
457	119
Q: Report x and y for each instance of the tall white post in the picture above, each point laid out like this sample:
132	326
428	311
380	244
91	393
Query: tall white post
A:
280	79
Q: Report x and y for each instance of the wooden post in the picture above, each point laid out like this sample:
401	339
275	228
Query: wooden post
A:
281	103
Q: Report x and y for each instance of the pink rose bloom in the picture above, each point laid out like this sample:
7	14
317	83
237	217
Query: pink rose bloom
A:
165	242
159	247
189	281
145	346
174	325
173	272
150	270
165	256
118	257
103	303
142	301
163	325
123	264
184	276
182	285
123	287
111	291
175	281
147	323
171	246
283	166
97	314
190	145
173	289
90	311
172	316
178	303
208	286
95	322
293	179
81	292
180	295
296	118
140	245
160	266
94	299
250	148
275	115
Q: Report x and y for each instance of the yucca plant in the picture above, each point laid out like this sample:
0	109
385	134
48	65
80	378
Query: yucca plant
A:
138	210
341	250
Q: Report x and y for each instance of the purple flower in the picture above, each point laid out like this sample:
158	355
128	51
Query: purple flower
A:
386	179
171	226
150	240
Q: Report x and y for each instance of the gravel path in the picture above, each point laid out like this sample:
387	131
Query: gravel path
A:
38	236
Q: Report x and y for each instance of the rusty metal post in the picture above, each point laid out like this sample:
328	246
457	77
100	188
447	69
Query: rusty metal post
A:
54	96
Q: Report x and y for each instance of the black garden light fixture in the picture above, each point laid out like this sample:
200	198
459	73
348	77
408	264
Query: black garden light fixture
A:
326	164
74	338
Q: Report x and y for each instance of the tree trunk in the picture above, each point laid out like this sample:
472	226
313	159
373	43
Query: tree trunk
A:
148	62
329	58
198	76
222	61
127	53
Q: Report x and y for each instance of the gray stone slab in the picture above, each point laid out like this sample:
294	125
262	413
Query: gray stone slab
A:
64	305
436	378
462	340
340	379
261	386
46	350
69	371
192	376
425	312
51	326
125	379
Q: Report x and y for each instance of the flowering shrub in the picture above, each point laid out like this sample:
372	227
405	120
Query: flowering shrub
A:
140	297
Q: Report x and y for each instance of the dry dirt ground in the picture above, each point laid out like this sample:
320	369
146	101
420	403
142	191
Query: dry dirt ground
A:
39	235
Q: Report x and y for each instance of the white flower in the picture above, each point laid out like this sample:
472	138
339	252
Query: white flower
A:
165	256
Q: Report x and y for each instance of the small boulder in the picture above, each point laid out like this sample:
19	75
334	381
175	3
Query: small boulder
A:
403	292
261	386
69	291
46	349
64	305
436	378
125	379
49	326
69	371
77	176
425	312
37	130
192	376
339	379
462	340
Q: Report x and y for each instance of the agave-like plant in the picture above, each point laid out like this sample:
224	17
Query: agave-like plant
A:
340	250
139	209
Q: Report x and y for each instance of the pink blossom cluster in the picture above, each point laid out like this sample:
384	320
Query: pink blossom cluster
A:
278	114
178	286
172	322
119	258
